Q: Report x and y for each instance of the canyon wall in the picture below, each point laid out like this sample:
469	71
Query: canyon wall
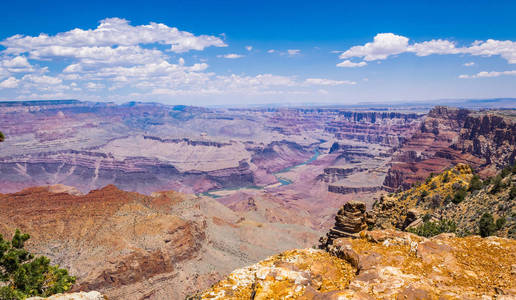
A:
482	139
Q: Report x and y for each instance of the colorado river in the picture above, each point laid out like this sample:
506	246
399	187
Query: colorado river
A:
282	181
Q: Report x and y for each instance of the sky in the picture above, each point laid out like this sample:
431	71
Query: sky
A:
257	52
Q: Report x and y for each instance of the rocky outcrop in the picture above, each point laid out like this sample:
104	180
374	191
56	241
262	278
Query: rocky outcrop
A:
384	128
94	295
384	264
351	219
350	190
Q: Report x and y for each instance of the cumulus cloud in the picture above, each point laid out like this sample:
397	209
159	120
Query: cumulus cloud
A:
385	45
469	64
9	83
323	81
485	74
349	64
231	55
114	32
130	61
42	79
16	64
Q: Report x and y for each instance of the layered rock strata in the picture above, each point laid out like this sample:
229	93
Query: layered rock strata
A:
350	220
447	136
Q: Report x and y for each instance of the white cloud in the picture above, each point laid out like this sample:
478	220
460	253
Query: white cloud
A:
323	81
384	45
469	64
506	49
231	55
388	44
485	74
94	85
350	64
249	48
9	83
42	79
271	51
114	32
16	64
292	52
433	47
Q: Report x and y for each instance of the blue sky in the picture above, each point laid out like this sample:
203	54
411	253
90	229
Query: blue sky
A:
249	52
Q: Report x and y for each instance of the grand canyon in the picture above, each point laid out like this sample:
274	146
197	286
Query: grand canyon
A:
149	201
257	150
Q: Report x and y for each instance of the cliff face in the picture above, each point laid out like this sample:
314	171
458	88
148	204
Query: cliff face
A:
447	136
488	136
382	264
132	246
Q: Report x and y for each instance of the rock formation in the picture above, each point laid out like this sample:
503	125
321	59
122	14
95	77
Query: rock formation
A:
447	136
384	264
351	219
93	295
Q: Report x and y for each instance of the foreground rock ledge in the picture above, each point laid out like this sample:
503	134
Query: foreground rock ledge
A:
382	264
93	295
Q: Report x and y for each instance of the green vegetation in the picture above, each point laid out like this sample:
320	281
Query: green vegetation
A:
423	195
22	275
500	222
446	178
429	229
459	196
475	184
497	184
486	226
512	192
2	137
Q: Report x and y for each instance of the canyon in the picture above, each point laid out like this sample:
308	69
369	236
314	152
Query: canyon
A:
149	201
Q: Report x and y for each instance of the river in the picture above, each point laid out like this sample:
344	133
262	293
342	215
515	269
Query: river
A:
281	180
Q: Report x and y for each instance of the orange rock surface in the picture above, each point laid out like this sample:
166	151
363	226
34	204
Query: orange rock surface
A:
383	264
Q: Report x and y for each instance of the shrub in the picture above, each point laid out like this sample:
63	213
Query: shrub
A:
512	192
505	171
2	137
426	217
433	186
446	178
497	184
459	196
22	275
475	184
486	226
500	222
429	229
436	200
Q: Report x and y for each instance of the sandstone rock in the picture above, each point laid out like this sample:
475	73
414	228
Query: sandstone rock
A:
94	295
389	264
350	220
